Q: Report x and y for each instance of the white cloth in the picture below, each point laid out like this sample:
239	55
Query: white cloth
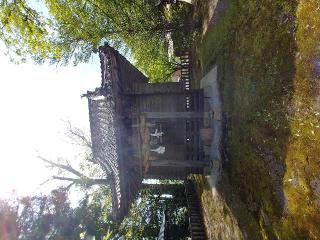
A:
159	150
157	134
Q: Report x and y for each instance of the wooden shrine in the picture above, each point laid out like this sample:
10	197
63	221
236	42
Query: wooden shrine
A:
143	130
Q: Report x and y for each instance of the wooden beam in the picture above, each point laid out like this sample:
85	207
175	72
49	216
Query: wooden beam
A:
174	163
148	175
162	187
174	115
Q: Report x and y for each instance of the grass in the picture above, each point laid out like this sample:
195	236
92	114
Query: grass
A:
266	52
225	215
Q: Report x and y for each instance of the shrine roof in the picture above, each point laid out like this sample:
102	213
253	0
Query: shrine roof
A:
108	130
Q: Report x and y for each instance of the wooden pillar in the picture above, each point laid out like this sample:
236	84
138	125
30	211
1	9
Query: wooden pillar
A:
155	88
175	190
149	175
162	187
174	115
174	163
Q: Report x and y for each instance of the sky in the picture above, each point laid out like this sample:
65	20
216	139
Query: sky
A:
34	103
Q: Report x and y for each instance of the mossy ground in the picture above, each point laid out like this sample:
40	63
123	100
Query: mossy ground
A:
267	53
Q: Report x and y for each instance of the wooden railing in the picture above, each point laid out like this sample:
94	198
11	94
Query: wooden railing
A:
196	223
194	145
193	103
185	68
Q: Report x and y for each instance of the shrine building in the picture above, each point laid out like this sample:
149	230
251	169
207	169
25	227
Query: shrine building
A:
143	130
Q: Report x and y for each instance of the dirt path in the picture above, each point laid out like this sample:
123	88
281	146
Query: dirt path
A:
210	12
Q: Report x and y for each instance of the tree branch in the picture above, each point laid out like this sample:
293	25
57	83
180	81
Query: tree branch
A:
76	132
88	182
64	167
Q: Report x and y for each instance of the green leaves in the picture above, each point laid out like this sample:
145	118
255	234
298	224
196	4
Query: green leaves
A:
143	221
74	28
52	217
23	30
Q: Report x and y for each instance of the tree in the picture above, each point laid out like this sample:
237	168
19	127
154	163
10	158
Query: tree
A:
46	217
51	217
74	28
89	171
8	220
143	221
94	211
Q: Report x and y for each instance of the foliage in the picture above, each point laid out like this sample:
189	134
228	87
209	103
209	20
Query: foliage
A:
159	68
143	221
51	217
73	29
95	214
266	53
46	216
8	220
179	13
25	31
